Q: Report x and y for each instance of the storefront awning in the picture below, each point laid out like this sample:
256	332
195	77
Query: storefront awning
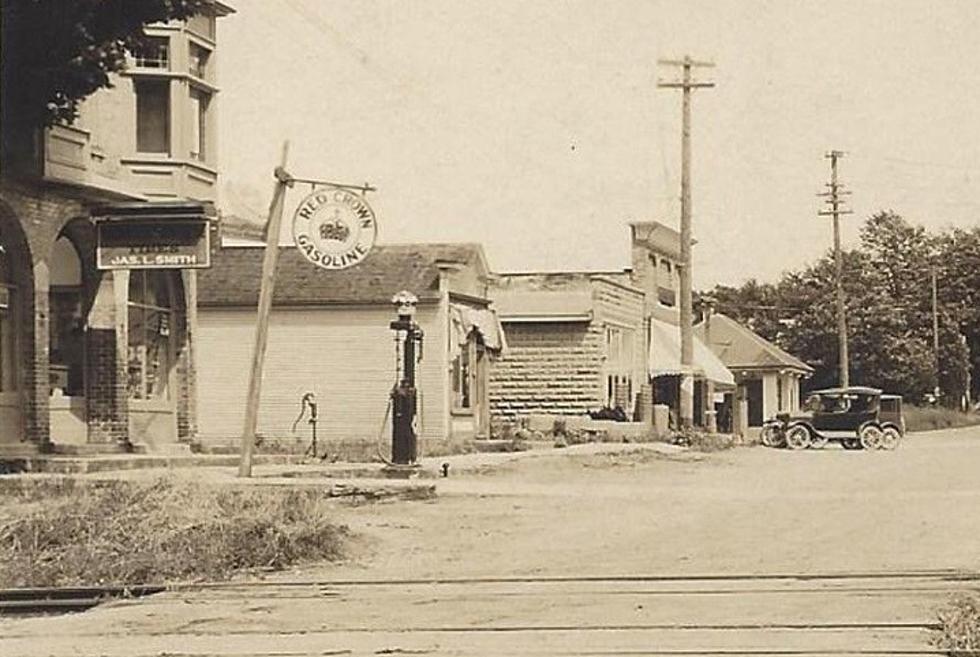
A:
485	322
665	356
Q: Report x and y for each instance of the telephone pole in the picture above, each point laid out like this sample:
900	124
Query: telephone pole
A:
836	210
686	85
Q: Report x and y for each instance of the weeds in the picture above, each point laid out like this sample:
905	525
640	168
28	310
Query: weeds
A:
960	631
134	533
928	418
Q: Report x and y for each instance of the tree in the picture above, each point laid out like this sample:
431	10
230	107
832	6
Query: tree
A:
55	53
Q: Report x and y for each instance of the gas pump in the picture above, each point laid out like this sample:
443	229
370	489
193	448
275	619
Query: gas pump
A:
408	352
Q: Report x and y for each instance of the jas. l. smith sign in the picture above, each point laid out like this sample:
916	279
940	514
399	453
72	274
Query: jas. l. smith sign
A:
153	244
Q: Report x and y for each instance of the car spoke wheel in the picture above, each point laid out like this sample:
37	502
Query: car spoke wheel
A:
889	438
798	437
850	443
771	436
870	437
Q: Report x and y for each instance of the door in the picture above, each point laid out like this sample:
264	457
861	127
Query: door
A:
10	407
479	393
754	389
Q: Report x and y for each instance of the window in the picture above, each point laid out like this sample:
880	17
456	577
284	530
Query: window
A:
619	362
151	319
199	112
202	25
197	58
152	116
462	397
154	53
666	294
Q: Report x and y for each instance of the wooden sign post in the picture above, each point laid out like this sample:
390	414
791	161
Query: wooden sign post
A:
268	284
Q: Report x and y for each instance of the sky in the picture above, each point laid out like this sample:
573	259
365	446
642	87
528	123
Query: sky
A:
536	127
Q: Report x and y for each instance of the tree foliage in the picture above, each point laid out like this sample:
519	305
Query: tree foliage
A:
888	292
55	53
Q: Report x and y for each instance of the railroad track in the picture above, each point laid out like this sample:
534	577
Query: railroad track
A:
857	613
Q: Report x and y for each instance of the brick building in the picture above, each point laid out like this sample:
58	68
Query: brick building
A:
580	341
329	334
575	343
92	357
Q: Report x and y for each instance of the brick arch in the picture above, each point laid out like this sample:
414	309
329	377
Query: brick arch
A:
31	373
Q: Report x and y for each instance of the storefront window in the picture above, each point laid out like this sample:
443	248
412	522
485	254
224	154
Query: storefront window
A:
67	341
150	323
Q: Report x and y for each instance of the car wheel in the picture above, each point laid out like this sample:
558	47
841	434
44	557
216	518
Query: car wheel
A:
850	443
798	437
771	436
889	438
870	437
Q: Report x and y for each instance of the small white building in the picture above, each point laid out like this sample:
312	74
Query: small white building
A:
329	334
767	377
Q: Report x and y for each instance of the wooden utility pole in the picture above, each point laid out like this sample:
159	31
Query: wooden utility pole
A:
266	290
686	85
836	210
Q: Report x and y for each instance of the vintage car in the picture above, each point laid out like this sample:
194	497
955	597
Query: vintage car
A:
857	417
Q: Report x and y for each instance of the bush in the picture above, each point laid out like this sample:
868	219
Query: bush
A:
140	533
960	626
928	418
701	441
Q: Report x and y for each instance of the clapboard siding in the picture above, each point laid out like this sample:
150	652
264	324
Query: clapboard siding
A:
344	355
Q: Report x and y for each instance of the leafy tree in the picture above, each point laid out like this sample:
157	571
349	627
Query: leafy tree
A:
55	53
889	310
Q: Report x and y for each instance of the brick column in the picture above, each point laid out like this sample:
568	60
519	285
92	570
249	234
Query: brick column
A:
37	418
186	381
107	395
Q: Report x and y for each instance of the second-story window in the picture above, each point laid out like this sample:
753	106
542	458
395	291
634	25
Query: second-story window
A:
154	53
666	293
152	116
199	126
197	61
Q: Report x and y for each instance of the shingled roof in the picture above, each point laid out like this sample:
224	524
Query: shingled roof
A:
740	348
234	276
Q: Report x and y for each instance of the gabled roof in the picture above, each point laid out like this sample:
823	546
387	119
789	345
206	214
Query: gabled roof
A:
234	276
740	348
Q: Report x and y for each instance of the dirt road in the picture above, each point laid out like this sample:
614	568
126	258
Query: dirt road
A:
751	551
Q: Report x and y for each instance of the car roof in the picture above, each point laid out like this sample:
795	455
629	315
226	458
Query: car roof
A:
854	390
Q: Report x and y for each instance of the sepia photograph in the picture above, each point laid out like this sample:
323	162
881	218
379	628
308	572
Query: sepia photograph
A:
513	327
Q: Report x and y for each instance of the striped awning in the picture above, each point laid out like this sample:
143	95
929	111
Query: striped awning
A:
665	356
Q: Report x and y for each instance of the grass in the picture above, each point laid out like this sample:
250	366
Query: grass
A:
124	533
928	418
960	626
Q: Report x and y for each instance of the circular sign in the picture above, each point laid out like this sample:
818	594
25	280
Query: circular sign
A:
334	228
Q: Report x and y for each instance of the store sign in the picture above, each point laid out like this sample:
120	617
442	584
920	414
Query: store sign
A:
162	243
334	228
